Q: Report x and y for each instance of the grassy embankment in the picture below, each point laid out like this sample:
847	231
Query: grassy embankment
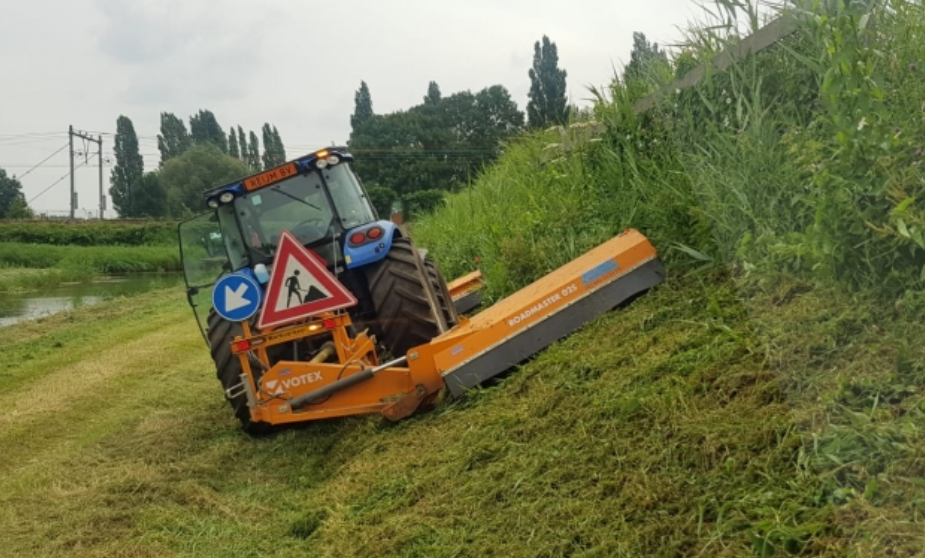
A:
768	404
666	429
795	179
39	254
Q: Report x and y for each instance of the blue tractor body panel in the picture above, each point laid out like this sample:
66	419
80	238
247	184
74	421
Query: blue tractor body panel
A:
371	250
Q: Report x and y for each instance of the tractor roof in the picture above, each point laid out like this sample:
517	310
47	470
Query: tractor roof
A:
265	178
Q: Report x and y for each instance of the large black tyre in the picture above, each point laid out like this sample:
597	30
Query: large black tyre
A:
228	369
444	300
399	287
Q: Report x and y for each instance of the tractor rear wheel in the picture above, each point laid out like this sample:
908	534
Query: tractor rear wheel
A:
228	369
398	286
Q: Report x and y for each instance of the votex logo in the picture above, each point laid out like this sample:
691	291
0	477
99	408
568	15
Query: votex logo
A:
278	387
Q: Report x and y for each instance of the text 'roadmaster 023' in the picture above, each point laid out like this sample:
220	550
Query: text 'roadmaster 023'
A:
313	307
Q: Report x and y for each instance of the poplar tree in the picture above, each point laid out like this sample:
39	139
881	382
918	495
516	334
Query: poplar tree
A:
233	144
273	151
242	144
204	128
173	139
128	171
433	94
363	108
253	152
548	104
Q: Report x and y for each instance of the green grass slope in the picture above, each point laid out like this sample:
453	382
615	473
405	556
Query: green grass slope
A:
674	427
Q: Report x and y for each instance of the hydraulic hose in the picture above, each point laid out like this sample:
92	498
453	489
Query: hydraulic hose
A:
342	384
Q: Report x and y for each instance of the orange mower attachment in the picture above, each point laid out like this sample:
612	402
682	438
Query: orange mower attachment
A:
466	291
345	377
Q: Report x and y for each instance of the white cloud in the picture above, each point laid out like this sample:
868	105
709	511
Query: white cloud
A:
179	53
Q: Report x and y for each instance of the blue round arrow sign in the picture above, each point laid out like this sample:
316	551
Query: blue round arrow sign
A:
236	297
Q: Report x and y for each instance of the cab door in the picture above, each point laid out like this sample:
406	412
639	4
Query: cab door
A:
205	259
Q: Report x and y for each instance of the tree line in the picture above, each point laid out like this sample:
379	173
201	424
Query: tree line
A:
192	160
407	159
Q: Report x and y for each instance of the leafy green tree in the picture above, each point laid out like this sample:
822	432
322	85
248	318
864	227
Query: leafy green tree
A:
405	151
204	128
173	139
128	170
433	94
280	148
382	199
423	201
548	104
648	68
273	151
642	56
495	117
253	153
437	145
233	144
12	201
186	177
363	107
19	209
269	154
685	62
242	144
150	199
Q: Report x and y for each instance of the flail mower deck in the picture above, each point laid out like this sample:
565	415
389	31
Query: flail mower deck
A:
476	349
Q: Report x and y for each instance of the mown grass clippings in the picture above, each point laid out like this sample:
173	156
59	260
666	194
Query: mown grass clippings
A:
33	348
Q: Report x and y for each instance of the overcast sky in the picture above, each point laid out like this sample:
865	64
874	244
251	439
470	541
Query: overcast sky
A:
295	64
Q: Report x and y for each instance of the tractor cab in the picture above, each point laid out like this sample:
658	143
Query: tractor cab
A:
318	198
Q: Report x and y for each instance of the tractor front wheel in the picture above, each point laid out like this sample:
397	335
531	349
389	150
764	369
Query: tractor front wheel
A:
228	369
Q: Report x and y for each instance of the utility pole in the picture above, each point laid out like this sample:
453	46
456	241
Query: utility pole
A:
102	197
70	138
99	142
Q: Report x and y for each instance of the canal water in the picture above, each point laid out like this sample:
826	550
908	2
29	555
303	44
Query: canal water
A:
17	307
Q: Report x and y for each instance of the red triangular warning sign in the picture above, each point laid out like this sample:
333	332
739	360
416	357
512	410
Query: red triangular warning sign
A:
300	286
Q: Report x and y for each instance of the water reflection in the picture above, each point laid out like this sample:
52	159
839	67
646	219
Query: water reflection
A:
17	307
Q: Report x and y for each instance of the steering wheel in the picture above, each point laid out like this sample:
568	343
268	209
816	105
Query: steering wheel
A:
307	229
316	222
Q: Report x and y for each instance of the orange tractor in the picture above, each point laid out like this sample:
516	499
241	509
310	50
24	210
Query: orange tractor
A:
314	308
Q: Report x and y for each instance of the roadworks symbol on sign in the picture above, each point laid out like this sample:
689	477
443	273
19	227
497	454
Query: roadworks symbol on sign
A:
300	286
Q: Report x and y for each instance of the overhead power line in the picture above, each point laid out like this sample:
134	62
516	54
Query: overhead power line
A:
63	147
50	186
26	134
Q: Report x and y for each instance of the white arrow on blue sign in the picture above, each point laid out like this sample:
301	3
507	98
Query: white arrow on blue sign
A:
236	297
